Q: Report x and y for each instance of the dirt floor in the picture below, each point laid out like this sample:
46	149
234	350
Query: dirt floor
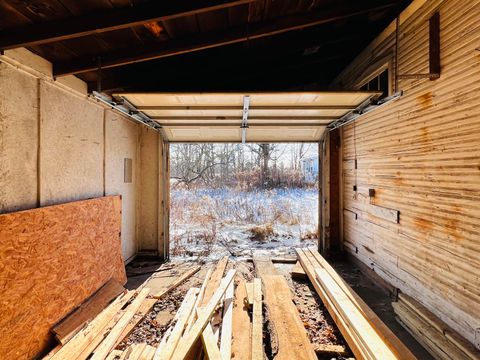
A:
319	326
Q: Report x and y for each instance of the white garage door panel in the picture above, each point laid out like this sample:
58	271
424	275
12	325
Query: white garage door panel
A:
204	134
277	134
272	117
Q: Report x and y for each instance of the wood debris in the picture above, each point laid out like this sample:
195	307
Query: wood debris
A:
230	315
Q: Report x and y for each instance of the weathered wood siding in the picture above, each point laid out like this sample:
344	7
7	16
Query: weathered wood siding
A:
421	154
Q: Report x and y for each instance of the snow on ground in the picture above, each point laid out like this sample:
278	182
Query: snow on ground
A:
211	223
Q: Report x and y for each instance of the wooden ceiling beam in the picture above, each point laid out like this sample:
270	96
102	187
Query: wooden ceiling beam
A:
110	20
217	39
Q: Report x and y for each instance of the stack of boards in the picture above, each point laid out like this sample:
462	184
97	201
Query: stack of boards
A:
367	336
437	337
203	327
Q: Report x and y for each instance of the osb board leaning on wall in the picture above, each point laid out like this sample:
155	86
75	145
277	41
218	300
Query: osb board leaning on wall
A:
51	260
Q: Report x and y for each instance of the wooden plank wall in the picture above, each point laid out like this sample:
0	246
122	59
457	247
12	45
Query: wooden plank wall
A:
52	259
421	155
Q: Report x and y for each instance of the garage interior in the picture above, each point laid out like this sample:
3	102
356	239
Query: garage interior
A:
91	95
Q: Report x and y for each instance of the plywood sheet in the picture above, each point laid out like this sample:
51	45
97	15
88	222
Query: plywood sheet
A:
52	259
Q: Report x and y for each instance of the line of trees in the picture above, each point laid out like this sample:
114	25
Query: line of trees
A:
240	165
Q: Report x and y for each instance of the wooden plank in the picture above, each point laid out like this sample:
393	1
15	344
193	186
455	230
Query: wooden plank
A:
297	272
241	326
90	333
90	347
385	213
104	348
212	40
181	318
383	330
470	351
69	326
293	342
257	321
144	309
148	353
210	344
137	350
185	276
435	342
264	266
189	340
226	336
350	213
74	243
193	315
308	263
354	317
249	287
214	281
210	334
279	260
102	21
330	349
114	354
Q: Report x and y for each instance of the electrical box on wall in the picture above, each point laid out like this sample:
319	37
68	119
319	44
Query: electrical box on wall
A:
127	170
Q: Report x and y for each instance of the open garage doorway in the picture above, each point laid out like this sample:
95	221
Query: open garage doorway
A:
223	124
236	199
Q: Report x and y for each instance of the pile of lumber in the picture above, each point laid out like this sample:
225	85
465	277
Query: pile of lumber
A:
367	336
217	321
437	338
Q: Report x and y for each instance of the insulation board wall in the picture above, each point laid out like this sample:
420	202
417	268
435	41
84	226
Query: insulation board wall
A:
56	145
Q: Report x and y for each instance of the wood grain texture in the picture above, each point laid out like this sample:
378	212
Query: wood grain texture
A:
421	153
87	310
52	259
241	325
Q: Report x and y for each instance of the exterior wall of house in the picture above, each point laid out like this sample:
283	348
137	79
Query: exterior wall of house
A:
421	155
57	145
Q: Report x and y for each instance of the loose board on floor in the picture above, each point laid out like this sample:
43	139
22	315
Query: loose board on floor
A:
52	259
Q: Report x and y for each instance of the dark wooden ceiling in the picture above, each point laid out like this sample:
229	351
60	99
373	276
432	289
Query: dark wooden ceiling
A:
196	45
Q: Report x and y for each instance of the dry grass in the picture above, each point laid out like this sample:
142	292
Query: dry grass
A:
261	232
309	235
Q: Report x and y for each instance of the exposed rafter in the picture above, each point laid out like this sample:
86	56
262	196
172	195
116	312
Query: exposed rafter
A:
115	19
211	40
